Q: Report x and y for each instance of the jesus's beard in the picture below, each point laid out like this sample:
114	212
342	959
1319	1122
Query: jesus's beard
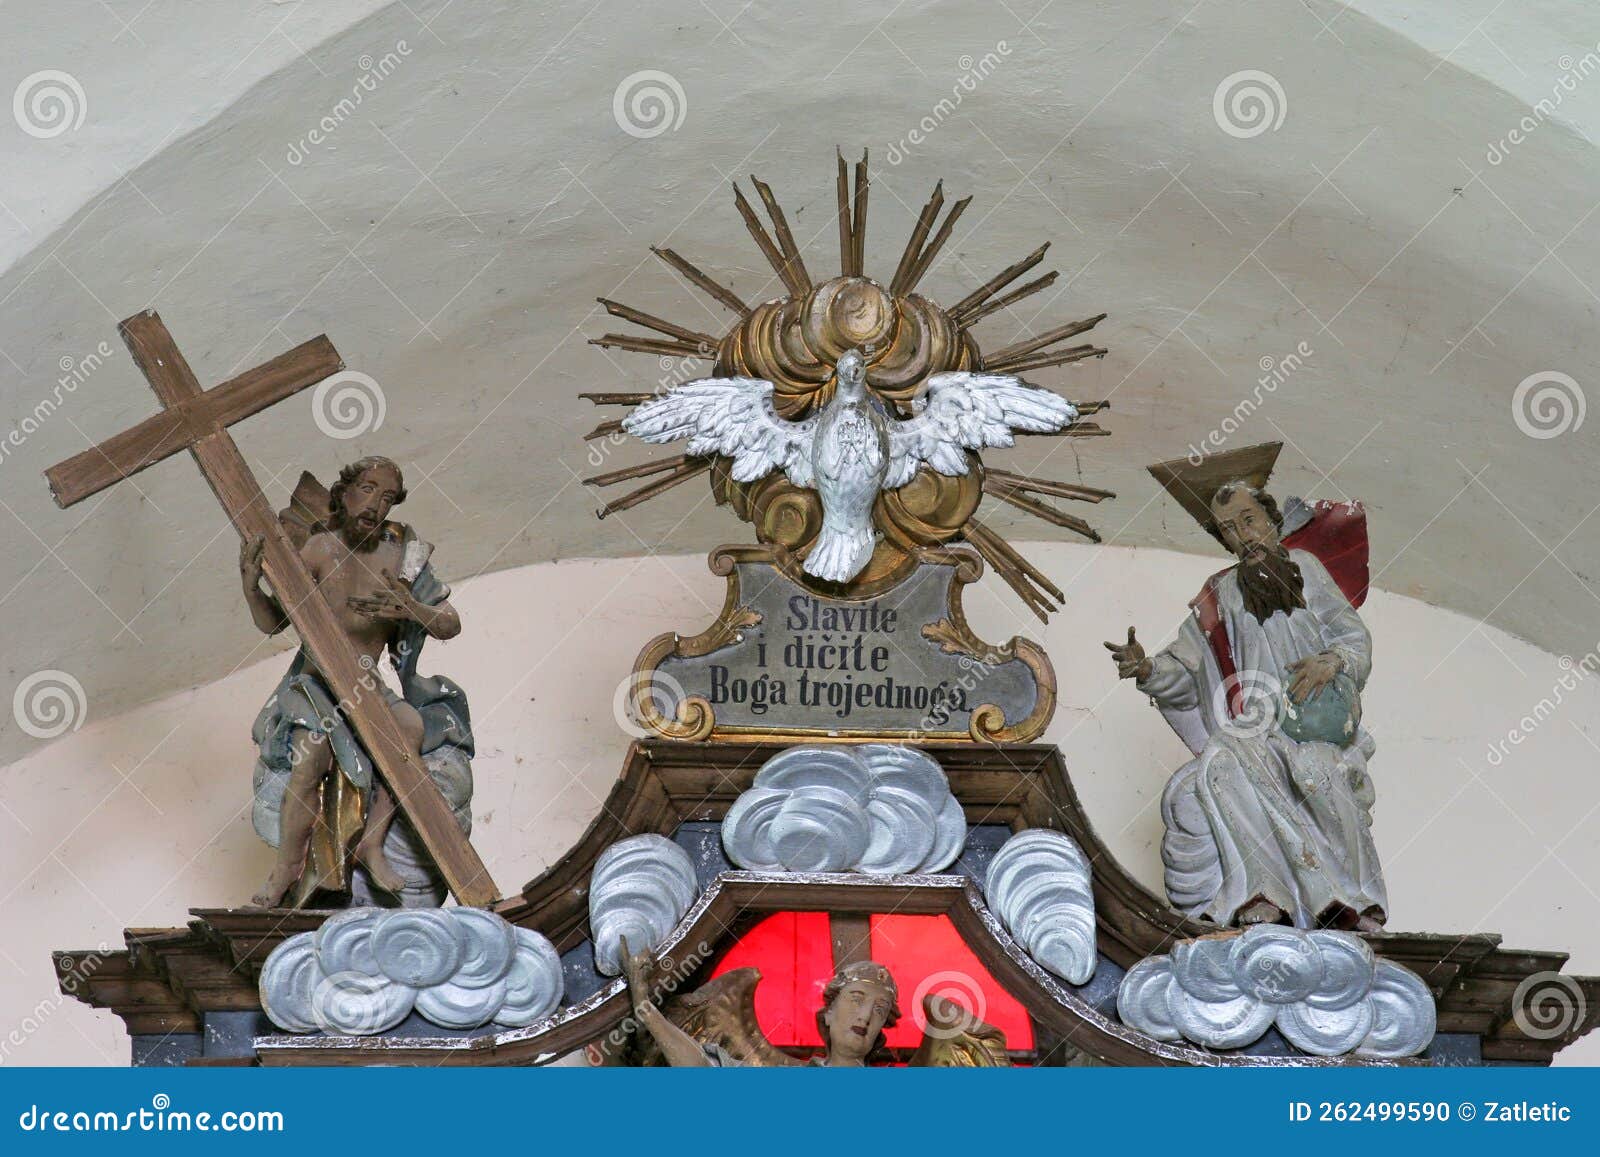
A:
1271	583
359	538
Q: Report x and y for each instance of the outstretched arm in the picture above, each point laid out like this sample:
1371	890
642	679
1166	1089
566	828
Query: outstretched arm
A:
1168	676
681	1050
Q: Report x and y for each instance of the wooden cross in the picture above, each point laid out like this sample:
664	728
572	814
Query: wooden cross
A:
197	420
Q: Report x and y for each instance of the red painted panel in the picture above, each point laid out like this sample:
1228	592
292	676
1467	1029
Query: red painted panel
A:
927	955
794	952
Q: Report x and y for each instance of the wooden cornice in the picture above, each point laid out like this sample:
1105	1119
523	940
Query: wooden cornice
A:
168	977
728	901
130	985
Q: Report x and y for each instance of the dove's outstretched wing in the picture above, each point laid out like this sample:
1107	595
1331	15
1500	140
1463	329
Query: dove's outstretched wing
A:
967	411
732	417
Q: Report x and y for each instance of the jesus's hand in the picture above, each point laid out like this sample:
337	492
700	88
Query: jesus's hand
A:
396	604
252	552
1312	674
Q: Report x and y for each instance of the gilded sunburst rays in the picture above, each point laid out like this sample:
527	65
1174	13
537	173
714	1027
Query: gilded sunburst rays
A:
795	340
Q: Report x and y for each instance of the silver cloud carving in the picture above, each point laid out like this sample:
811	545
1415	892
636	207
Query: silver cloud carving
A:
878	808
366	969
639	890
1325	991
1039	885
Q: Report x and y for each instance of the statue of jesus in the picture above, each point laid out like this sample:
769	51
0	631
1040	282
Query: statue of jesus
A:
1270	822
360	562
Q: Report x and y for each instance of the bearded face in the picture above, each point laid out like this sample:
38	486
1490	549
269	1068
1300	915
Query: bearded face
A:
1269	580
1271	583
363	507
361	537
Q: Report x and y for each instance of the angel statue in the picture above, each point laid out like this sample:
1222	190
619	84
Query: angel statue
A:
716	1027
316	797
854	448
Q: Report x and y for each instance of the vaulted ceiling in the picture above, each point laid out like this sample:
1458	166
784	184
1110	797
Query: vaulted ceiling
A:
445	189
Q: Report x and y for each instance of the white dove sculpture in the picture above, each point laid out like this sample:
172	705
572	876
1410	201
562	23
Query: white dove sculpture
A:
853	448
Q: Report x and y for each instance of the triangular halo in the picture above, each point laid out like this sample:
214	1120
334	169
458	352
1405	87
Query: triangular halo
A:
1194	485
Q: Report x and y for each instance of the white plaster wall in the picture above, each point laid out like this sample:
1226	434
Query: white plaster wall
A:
136	818
1521	48
452	234
151	72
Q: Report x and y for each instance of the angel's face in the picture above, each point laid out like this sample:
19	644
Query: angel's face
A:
854	1020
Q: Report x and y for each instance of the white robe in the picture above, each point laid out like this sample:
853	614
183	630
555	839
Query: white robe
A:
1257	814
